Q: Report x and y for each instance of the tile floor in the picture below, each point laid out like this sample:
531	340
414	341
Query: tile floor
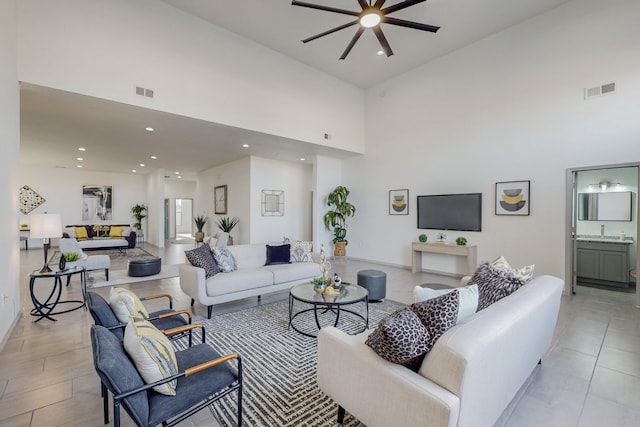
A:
590	376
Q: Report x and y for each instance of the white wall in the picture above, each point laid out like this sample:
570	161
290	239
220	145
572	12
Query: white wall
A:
327	175
62	190
10	137
106	49
295	180
154	231
237	177
179	189
509	107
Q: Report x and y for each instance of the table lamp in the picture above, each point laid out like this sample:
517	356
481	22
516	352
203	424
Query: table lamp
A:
45	226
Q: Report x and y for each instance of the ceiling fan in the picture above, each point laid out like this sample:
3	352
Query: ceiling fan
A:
371	16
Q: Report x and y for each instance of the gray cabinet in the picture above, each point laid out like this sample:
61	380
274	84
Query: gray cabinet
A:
603	263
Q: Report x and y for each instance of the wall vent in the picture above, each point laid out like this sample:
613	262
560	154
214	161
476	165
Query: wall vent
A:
604	89
142	91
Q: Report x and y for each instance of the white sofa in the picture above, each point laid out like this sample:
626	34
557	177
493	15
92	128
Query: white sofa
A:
252	278
468	379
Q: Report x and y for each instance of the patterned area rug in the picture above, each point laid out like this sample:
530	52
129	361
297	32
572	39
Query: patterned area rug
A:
280	386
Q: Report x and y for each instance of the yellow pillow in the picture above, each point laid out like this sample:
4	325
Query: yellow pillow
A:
125	304
81	233
115	232
152	353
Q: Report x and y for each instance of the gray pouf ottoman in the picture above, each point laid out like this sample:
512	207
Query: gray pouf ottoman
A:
144	267
375	281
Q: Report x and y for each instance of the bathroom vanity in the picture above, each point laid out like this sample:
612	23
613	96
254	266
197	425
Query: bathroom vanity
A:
603	261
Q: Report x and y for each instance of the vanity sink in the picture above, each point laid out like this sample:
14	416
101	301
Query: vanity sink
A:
605	239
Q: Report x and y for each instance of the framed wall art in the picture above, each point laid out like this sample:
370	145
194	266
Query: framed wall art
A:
29	199
97	202
398	202
220	199
513	198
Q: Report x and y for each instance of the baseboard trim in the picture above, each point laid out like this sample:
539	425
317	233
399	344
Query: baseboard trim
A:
5	338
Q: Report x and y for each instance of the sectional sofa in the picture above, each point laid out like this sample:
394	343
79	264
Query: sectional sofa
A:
467	379
252	277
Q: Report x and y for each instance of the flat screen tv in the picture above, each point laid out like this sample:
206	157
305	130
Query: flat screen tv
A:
462	212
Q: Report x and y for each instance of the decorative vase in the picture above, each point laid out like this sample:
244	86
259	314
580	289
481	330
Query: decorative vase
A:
230	240
199	236
340	249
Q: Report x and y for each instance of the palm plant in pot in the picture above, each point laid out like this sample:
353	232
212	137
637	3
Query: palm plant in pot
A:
139	214
200	221
336	218
227	224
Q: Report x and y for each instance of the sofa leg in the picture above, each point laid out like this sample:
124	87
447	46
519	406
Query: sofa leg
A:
540	362
192	302
209	309
106	273
259	296
340	414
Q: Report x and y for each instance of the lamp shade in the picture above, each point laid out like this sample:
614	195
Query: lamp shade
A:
45	226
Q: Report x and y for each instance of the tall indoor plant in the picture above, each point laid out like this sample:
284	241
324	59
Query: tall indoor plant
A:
139	213
336	218
200	221
226	224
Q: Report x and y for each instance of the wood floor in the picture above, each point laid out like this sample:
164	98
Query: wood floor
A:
590	376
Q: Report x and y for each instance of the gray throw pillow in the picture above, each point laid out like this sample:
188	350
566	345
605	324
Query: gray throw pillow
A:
494	283
400	338
225	260
203	258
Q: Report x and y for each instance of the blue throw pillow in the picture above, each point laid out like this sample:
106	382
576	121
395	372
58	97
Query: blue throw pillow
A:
278	254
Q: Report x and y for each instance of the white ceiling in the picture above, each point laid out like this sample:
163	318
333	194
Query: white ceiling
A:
55	123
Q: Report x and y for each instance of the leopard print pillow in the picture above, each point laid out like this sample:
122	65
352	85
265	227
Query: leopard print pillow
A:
494	283
400	338
438	314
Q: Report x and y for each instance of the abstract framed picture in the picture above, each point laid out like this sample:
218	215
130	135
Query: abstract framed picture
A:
220	199
29	199
513	198
97	202
398	202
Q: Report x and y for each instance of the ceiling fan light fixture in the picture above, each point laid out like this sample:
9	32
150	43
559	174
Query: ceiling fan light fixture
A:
370	19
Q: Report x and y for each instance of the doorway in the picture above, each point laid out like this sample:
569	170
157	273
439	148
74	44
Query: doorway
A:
603	228
183	219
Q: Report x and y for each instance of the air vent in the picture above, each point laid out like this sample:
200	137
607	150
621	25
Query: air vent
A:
599	90
142	91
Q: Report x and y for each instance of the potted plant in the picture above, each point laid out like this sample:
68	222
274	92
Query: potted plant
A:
71	259
200	221
336	218
423	238
138	212
226	224
461	241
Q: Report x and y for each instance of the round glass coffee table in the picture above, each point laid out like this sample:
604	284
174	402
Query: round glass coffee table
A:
324	305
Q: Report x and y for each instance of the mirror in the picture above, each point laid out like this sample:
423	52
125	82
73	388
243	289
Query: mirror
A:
613	206
272	203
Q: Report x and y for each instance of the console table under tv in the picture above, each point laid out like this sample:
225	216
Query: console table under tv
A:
470	252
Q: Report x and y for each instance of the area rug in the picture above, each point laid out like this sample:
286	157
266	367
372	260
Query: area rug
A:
279	365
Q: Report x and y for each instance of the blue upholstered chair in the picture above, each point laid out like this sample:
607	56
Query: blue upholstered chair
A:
168	320
204	376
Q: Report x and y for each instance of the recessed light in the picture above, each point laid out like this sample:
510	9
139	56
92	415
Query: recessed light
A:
141	165
179	177
245	145
154	157
149	129
78	166
380	52
82	149
177	173
302	159
79	159
133	170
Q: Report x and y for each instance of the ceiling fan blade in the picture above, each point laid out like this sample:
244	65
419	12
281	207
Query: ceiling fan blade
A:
325	8
333	30
401	5
352	42
363	4
409	24
379	4
383	40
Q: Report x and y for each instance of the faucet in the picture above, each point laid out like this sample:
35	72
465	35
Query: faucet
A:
602	231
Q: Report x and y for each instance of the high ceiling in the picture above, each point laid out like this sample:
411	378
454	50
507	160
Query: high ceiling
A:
55	123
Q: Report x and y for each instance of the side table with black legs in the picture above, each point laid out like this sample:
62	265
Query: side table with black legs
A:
45	308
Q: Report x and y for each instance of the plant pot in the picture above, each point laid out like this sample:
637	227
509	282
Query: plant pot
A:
230	240
70	265
199	236
340	249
